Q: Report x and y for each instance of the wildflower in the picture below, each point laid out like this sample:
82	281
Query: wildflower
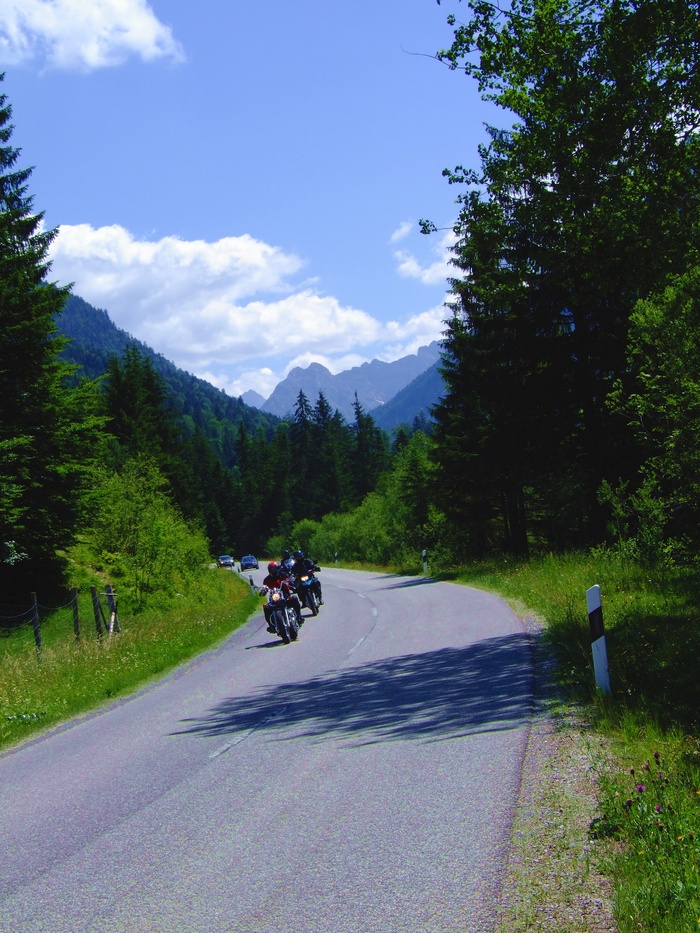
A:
628	803
640	788
658	808
632	772
645	767
656	757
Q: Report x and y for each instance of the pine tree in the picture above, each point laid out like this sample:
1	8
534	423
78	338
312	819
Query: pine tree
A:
331	448
46	428
371	452
302	457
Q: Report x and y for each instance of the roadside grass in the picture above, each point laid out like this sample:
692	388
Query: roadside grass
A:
642	741
69	677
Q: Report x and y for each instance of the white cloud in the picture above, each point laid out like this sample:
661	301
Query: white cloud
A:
229	311
83	34
208	307
430	273
418	331
261	380
402	231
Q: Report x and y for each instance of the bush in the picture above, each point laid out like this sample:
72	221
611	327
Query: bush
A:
141	534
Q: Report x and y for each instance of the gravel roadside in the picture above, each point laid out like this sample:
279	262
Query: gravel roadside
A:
552	884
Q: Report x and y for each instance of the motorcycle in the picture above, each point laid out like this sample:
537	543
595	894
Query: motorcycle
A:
282	615
306	591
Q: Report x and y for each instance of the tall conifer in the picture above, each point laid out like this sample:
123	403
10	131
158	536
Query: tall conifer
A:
42	455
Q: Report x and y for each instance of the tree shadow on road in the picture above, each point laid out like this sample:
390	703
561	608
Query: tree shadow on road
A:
413	581
433	696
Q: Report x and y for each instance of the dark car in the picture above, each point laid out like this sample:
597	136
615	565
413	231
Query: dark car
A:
225	561
249	562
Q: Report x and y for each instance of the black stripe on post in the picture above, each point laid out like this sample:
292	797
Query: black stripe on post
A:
598	646
595	620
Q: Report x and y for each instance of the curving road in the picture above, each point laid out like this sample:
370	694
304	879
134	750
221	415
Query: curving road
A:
360	780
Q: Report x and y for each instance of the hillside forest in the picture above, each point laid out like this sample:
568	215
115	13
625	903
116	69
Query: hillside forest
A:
571	408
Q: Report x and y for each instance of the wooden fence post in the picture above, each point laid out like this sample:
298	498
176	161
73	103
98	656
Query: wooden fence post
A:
35	623
76	617
97	610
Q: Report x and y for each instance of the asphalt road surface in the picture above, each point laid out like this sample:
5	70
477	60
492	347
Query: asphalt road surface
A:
360	780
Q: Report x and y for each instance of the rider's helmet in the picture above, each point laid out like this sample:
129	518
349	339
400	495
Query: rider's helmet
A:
298	555
273	568
286	555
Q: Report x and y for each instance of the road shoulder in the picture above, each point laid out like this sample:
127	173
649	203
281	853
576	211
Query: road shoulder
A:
551	882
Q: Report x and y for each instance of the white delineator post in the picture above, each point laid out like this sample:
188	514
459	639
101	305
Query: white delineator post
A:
600	652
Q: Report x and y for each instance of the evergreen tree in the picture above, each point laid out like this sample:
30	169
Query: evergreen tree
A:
371	451
331	456
256	495
302	450
47	429
586	204
143	422
137	404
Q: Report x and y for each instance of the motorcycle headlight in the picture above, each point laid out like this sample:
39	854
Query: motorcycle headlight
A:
304	579
275	597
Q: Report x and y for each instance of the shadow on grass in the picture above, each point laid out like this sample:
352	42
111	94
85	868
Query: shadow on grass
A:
434	696
653	661
656	659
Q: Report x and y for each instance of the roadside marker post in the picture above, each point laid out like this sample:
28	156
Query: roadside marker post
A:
425	560
598	647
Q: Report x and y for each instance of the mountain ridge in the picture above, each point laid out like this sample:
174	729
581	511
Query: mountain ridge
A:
375	383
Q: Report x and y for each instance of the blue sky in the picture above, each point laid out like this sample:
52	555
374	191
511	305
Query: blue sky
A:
239	184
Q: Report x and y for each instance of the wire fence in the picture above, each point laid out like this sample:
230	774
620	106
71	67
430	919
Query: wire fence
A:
26	625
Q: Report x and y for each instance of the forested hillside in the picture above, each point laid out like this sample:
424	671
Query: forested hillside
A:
243	474
199	406
414	403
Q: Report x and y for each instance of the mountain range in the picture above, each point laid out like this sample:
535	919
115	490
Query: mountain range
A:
377	385
393	393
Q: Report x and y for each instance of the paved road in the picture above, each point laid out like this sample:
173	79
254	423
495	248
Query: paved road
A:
360	780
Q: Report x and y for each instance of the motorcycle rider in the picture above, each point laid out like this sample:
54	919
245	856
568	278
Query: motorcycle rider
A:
304	565
278	578
287	561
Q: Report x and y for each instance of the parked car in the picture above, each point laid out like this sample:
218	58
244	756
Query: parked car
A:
249	562
225	561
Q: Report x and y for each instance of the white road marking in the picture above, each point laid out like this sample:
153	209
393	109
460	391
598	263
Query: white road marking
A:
244	735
